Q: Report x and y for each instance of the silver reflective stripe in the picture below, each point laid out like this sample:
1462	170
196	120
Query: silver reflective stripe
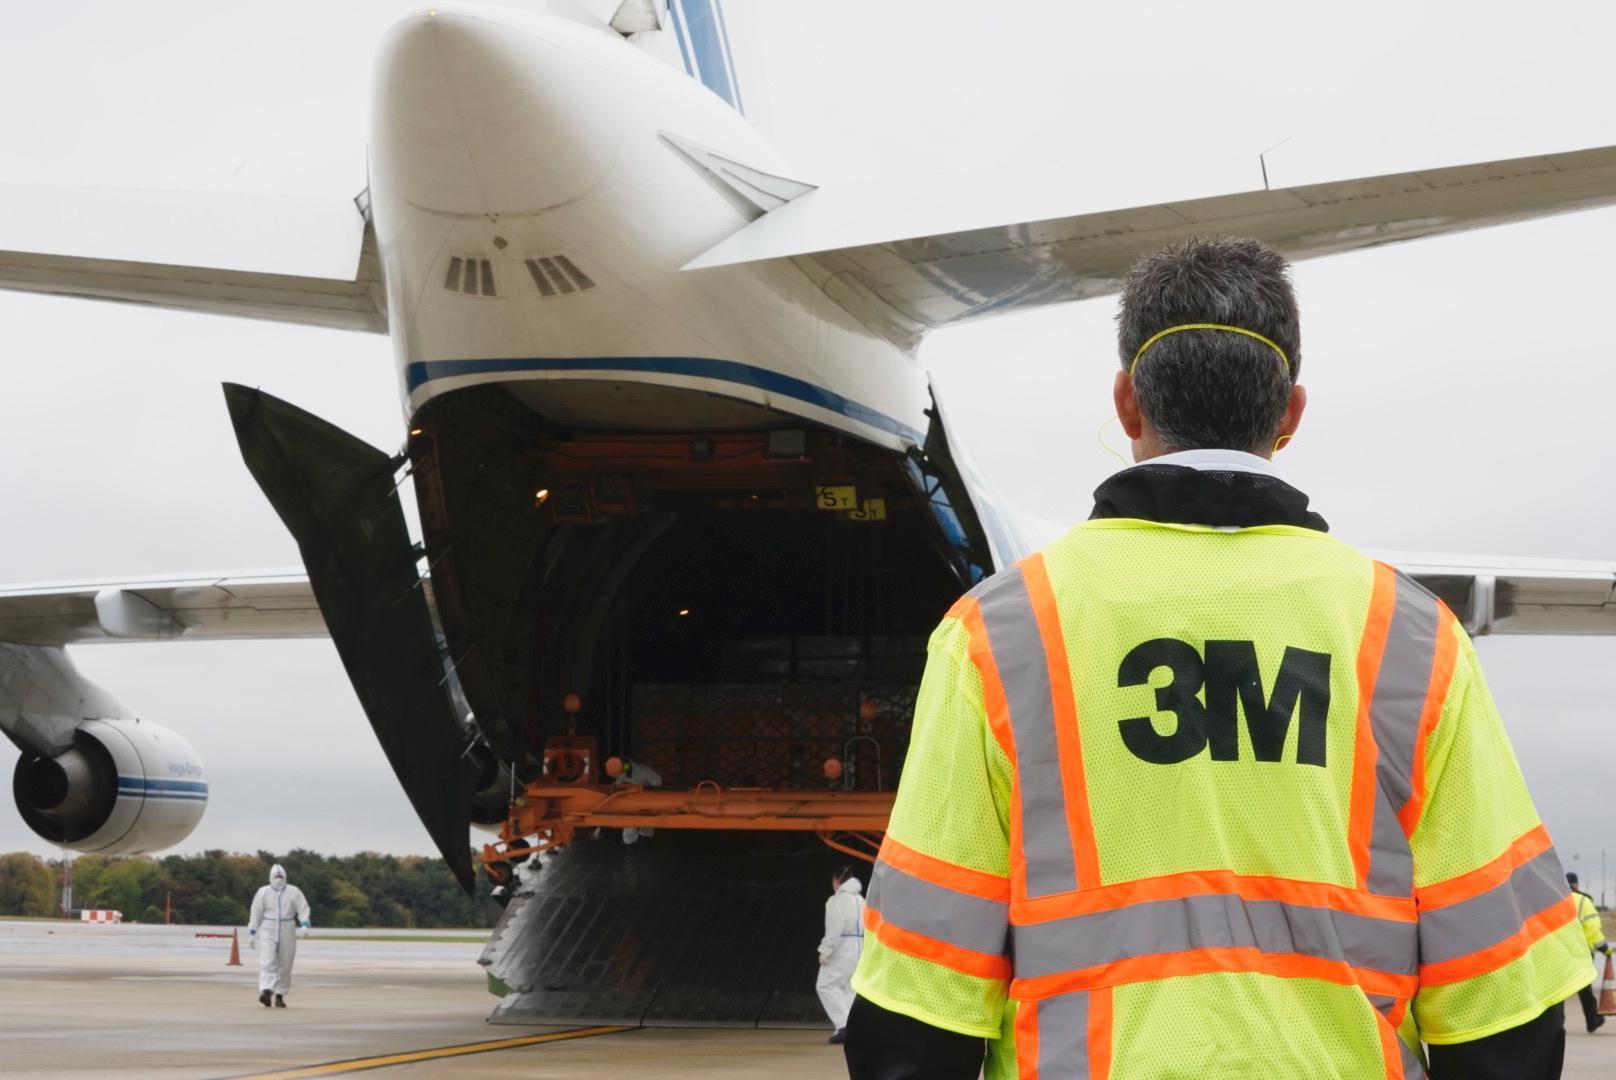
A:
1018	653
1063	1037
1391	860
1400	687
957	918
1495	915
1218	921
1413	1068
1394	721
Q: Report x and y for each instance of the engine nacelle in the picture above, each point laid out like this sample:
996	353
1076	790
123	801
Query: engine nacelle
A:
123	788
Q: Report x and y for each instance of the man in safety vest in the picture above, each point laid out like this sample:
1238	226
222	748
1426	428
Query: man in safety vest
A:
1200	791
1593	932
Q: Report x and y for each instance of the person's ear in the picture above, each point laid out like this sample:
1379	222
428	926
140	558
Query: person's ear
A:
1292	418
1127	406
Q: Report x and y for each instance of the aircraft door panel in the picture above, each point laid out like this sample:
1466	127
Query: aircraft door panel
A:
337	496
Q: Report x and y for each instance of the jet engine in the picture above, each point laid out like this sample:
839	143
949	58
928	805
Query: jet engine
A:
123	787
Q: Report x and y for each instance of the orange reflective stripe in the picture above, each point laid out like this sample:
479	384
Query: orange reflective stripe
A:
1204	882
1074	782
1371	649
1525	847
948	875
1100	1033
964	961
1205	961
1026	1037
1391	1049
993	699
997	707
1394	1015
1490	959
1447	656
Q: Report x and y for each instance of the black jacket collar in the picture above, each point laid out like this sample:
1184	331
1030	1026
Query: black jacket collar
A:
1176	494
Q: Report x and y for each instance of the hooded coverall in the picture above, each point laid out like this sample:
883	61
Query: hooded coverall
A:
636	772
277	910
839	950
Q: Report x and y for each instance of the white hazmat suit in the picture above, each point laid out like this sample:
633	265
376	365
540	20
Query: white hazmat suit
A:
636	772
839	950
277	910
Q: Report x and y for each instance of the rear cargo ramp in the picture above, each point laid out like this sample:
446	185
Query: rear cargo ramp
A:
684	929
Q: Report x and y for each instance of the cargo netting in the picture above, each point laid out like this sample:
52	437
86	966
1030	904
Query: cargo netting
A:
773	735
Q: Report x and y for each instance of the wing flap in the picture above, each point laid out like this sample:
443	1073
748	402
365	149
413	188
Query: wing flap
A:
1518	596
244	605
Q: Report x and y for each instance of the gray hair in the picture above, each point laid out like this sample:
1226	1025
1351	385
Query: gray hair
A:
1210	389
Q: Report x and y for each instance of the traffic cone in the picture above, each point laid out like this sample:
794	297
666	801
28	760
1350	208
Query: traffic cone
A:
1607	988
235	949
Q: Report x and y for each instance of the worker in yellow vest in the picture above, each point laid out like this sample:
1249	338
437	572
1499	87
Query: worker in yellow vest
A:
1200	791
1593	932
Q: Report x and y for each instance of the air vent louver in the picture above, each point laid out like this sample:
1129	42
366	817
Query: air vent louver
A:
553	275
557	275
472	277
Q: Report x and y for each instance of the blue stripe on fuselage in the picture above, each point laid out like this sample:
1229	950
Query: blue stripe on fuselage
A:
421	372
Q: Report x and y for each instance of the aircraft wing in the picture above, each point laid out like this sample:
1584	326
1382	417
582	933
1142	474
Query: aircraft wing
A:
1489	594
1493	595
250	604
299	260
906	257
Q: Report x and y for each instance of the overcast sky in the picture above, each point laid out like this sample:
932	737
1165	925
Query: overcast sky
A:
1461	389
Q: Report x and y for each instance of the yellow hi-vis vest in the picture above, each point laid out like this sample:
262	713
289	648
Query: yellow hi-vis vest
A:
1186	802
1593	927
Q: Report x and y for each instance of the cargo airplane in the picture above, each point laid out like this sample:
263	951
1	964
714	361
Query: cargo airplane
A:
687	498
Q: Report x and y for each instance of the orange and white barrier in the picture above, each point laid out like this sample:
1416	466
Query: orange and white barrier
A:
100	915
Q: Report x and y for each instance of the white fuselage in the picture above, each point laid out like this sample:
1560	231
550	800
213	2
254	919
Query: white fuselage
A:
530	149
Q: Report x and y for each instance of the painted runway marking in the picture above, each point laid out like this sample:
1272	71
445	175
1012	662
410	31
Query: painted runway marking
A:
382	1061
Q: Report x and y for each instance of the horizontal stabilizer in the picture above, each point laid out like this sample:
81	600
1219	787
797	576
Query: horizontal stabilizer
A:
909	257
304	261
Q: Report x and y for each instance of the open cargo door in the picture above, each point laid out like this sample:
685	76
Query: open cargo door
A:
337	496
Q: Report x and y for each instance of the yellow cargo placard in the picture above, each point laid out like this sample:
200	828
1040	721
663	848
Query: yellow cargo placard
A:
869	510
836	497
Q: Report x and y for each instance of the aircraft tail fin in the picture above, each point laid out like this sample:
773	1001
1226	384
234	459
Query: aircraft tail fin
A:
702	34
691	35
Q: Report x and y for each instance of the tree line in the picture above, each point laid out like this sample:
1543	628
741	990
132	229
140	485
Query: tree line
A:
216	887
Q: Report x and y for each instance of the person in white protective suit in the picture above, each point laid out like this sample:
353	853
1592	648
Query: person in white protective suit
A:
839	949
637	772
277	911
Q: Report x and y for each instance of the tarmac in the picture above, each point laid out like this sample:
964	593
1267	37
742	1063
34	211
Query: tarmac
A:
79	1000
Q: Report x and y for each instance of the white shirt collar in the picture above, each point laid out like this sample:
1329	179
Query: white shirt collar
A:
1216	461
